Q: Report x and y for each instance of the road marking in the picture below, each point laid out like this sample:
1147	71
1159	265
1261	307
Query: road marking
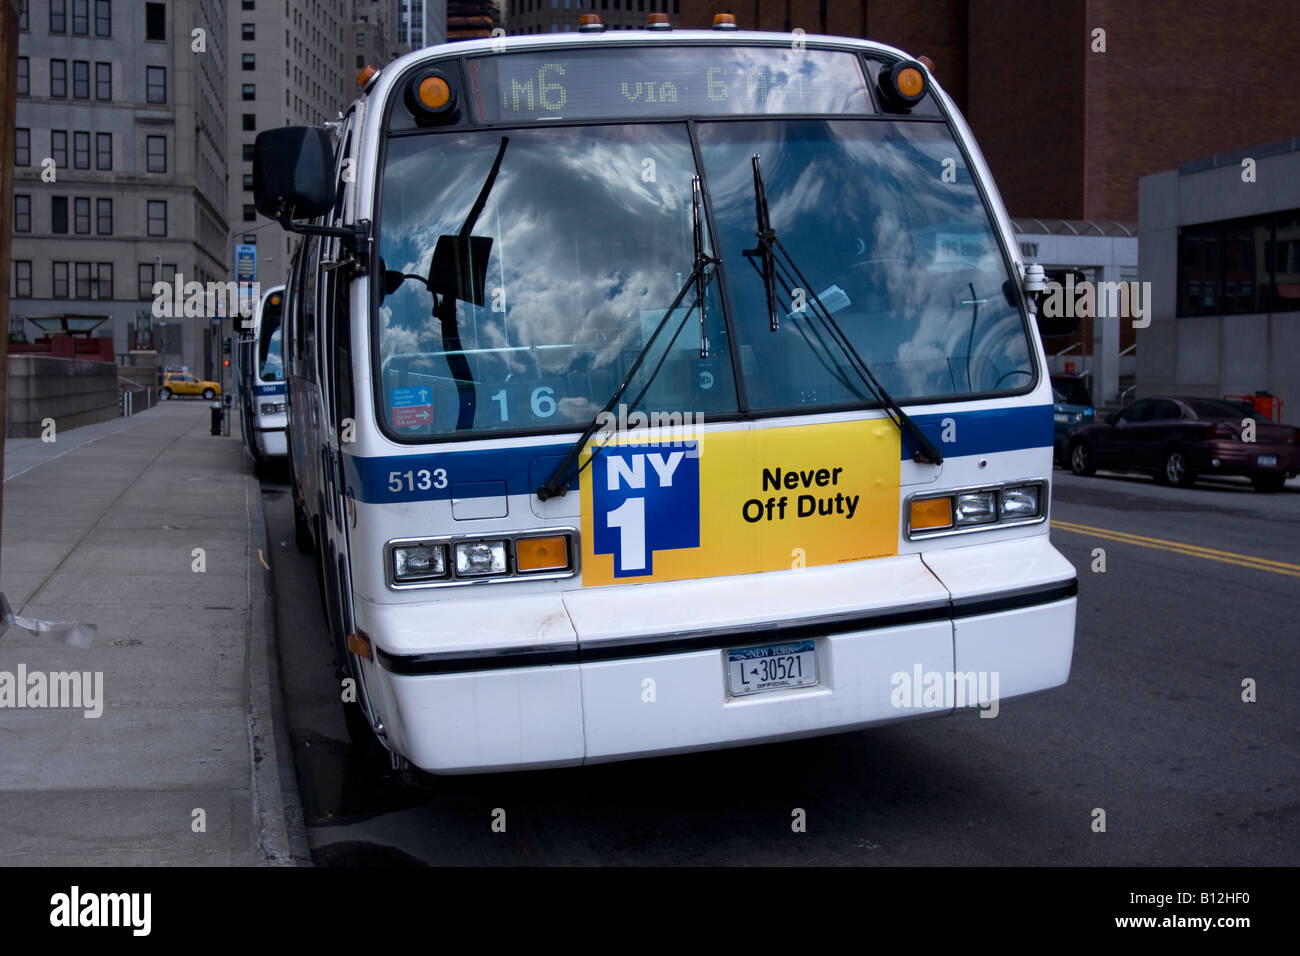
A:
1180	547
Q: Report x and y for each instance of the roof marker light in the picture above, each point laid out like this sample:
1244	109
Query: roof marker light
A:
902	85
658	21
590	23
724	21
365	76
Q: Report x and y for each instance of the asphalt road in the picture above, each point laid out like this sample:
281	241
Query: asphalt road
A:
1201	590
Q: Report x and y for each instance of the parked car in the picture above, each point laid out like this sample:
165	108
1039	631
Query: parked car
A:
1072	409
183	383
1178	439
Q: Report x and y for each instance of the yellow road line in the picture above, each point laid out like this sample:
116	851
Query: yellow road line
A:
1179	547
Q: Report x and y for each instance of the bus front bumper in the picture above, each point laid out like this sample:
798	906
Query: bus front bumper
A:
600	674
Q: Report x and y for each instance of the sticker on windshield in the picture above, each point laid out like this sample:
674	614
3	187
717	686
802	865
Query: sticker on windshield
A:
412	407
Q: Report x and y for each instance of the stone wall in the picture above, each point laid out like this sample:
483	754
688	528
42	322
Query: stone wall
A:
73	392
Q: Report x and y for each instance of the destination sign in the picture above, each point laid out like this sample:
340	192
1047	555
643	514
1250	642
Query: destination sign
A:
657	80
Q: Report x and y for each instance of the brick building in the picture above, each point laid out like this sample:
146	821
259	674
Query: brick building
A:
1068	131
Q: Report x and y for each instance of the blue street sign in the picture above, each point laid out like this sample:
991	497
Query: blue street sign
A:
246	263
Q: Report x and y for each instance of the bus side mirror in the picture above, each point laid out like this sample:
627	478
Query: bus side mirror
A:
293	173
1055	303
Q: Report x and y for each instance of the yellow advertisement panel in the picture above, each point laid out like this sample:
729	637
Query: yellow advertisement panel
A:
740	501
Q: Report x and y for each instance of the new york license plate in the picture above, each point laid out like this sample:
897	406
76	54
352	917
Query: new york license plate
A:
1268	461
751	670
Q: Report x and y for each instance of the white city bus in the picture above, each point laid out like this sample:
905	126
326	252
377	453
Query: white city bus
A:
657	391
259	376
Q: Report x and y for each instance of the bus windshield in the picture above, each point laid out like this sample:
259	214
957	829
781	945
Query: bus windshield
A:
270	365
584	238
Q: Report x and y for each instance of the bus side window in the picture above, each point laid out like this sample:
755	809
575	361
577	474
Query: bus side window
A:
307	340
335	287
289	324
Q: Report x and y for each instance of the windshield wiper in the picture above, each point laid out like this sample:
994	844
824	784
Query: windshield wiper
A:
557	485
782	268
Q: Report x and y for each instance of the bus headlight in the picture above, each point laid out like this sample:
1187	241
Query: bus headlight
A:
1020	501
976	507
479	558
272	408
419	562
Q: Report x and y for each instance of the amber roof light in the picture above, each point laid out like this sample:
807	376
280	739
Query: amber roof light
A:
724	21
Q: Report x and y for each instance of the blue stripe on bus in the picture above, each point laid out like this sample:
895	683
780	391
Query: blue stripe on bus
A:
280	389
988	430
523	469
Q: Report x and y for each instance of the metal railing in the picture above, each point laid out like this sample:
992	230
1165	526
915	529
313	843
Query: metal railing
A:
133	398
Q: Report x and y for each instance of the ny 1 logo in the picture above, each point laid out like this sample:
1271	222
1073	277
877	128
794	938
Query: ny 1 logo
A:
645	499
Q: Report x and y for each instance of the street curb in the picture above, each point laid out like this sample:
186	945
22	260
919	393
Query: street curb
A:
277	811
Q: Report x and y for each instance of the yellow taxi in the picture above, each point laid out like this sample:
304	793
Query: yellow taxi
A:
184	383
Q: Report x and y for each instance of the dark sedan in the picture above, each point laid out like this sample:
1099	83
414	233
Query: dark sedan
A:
1177	439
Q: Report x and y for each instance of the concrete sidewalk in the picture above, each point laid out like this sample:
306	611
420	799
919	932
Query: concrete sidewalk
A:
181	767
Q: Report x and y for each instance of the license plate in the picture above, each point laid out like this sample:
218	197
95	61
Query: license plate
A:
1061	418
751	670
1268	461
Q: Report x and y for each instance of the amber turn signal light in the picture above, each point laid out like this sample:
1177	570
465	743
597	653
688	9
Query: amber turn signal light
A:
929	514
359	644
542	554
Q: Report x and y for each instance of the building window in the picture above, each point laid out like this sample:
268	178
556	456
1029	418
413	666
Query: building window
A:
81	150
104	217
22	279
58	78
248	182
1241	266
103	81
248	61
361	39
58	16
82	273
81	18
144	280
248	31
248	152
81	79
103	150
104	280
22	147
361	61
103	18
250	121
157	209
22	213
155	21
156	154
81	216
249	91
246	4
59	214
155	80
24	77
1286	262
59	147
250	213
22	16
59	280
